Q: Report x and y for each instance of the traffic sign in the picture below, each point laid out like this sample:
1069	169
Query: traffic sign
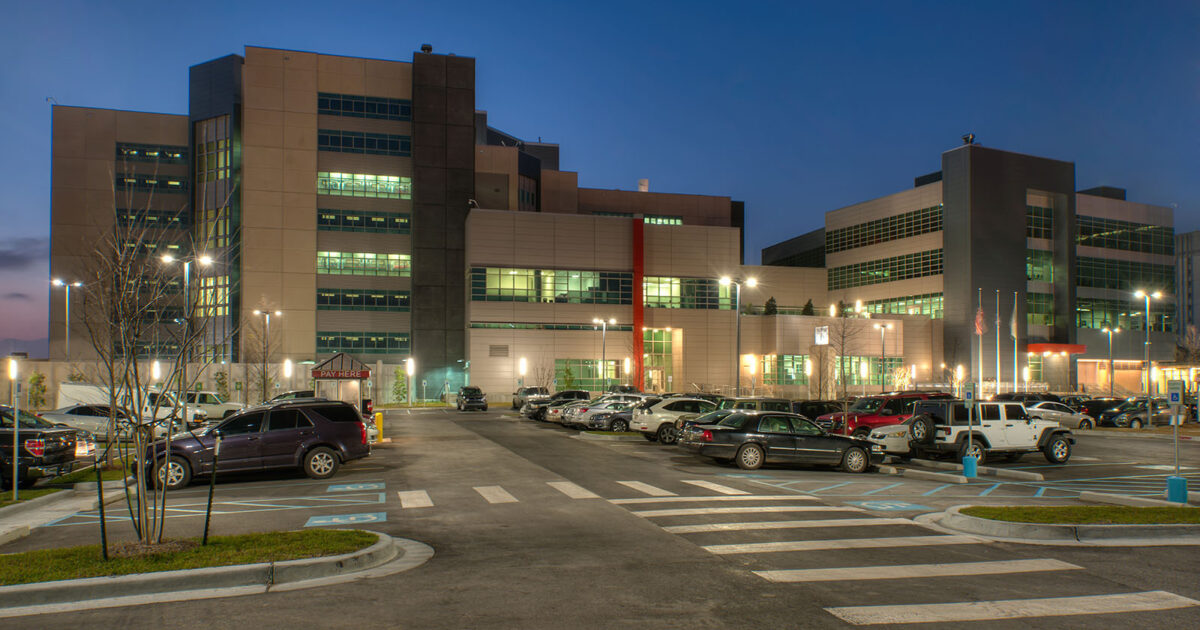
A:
1175	392
347	519
968	391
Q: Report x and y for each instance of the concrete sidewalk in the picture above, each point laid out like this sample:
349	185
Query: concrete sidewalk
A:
17	521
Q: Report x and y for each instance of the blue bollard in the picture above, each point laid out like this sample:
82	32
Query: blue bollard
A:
970	469
1177	489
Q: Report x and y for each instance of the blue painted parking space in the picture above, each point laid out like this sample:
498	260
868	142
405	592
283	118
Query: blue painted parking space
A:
354	487
347	519
226	507
888	506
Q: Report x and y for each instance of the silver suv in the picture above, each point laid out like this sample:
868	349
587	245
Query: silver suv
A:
529	394
995	428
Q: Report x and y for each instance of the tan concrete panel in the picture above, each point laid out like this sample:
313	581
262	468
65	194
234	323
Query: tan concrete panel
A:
337	65
272	57
300	120
261	198
100	136
300	80
259	259
267	238
301	160
261	117
262	216
68	133
258	178
259	76
263	136
303	181
303	101
300	138
264	157
263	98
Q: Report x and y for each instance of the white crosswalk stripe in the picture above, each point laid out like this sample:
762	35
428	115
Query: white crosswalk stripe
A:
495	494
749	497
744	509
414	499
646	488
916	571
1012	608
572	490
845	543
737	527
715	487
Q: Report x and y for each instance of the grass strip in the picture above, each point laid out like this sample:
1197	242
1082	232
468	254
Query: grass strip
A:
24	495
89	474
70	563
1087	514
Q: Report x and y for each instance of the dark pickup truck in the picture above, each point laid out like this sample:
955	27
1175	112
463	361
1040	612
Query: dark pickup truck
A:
46	450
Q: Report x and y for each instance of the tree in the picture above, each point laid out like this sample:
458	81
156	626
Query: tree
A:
770	308
843	334
1189	350
400	385
222	381
568	377
808	309
36	397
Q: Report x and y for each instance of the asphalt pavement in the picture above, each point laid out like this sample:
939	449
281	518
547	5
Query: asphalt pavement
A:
533	527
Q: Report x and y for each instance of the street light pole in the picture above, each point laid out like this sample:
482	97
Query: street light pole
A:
1109	332
737	305
883	328
185	345
58	282
14	379
266	362
603	341
1156	295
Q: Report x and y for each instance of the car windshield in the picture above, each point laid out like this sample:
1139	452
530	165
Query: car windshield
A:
712	417
867	405
470	391
1130	405
734	421
28	420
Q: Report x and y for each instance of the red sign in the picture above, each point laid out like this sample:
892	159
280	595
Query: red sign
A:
37	448
341	374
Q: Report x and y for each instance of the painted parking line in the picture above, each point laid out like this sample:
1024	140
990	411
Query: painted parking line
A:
715	487
845	543
495	494
351	487
836	485
916	571
243	506
882	505
761	525
750	509
989	490
347	519
937	489
414	499
1012	608
572	490
870	492
747	497
646	488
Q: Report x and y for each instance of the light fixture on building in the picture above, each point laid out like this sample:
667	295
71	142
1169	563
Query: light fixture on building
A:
287	368
628	366
521	366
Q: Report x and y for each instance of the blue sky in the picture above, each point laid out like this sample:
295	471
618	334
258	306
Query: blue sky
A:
794	107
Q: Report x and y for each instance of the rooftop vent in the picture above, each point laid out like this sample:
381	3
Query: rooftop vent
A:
426	48
643	185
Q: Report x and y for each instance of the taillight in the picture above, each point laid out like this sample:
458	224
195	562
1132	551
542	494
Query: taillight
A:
362	429
706	436
37	448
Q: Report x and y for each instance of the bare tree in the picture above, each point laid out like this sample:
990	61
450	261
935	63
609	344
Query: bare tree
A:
1189	348
542	374
259	349
843	335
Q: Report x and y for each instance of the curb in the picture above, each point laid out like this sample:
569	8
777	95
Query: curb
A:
922	474
585	435
1110	432
36	504
987	471
263	575
1121	499
953	519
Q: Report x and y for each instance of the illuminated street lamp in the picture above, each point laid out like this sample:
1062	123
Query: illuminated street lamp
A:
882	328
58	282
604	324
521	367
737	305
14	378
1146	296
1110	332
266	315
203	260
410	367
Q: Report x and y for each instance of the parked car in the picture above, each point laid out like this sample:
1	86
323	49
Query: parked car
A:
1137	418
623	389
154	405
45	450
657	421
617	421
1025	397
90	418
471	397
1074	401
569	414
813	409
536	408
527	394
1060	413
554	411
215	405
687	421
870	412
996	428
313	436
1097	406
582	417
754	438
1119	416
757	403
299	394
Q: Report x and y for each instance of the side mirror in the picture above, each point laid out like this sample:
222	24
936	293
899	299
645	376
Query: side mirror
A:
218	433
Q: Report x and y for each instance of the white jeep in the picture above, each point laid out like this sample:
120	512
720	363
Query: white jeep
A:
995	429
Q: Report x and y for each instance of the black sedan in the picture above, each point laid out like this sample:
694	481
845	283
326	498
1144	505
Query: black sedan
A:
754	438
690	420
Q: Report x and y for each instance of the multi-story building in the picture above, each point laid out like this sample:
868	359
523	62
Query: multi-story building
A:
1187	259
994	226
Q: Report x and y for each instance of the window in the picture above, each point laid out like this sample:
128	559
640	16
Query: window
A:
152	219
354	106
363	221
139	182
533	326
248	423
785	369
648	219
1124	235
362	300
363	185
284	419
930	304
804	427
851	370
329	342
1125	313
584	373
1039	265
364	143
157	153
504	284
891	228
989	412
336	413
928	263
700	293
364	264
1124	275
1039	309
1039	222
774	424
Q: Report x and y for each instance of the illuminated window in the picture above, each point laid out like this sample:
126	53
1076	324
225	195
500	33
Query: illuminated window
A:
1039	265
1124	235
157	153
1039	222
354	106
584	373
702	293
784	369
504	284
362	300
364	264
362	185
1124	275
891	228
930	304
151	183
329	342
918	265
363	221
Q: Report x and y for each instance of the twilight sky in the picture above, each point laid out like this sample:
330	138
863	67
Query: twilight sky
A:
795	107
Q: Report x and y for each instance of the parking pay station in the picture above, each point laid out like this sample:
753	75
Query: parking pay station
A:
1176	484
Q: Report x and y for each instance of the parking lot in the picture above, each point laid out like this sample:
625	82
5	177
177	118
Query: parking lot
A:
530	523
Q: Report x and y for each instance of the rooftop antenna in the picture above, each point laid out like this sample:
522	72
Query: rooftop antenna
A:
426	48
969	138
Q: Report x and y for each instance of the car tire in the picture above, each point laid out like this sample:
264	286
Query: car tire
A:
1136	423
484	408
861	433
975	449
855	460
750	457
178	473
921	430
25	483
619	426
666	434
320	463
1013	457
1057	450
1085	425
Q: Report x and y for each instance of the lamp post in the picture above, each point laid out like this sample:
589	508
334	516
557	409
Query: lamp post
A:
882	328
603	340
737	306
410	367
58	282
266	315
864	371
14	378
1110	332
203	261
1146	296
521	367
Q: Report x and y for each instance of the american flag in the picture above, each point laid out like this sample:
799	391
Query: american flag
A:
980	324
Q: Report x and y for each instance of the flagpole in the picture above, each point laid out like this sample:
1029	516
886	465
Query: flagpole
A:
1015	344
979	373
998	377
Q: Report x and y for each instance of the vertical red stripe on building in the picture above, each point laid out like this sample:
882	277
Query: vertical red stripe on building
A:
639	263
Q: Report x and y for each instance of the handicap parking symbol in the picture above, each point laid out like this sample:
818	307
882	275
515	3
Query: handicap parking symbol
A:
352	487
347	519
888	506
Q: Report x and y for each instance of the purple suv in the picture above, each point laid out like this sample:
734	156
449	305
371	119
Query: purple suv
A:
314	436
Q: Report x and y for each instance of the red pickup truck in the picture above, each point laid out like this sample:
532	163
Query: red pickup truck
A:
870	412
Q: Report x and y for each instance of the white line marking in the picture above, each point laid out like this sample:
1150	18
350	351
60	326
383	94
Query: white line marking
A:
715	487
737	527
751	497
915	571
495	494
848	543
414	499
646	488
1012	608
746	509
572	490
